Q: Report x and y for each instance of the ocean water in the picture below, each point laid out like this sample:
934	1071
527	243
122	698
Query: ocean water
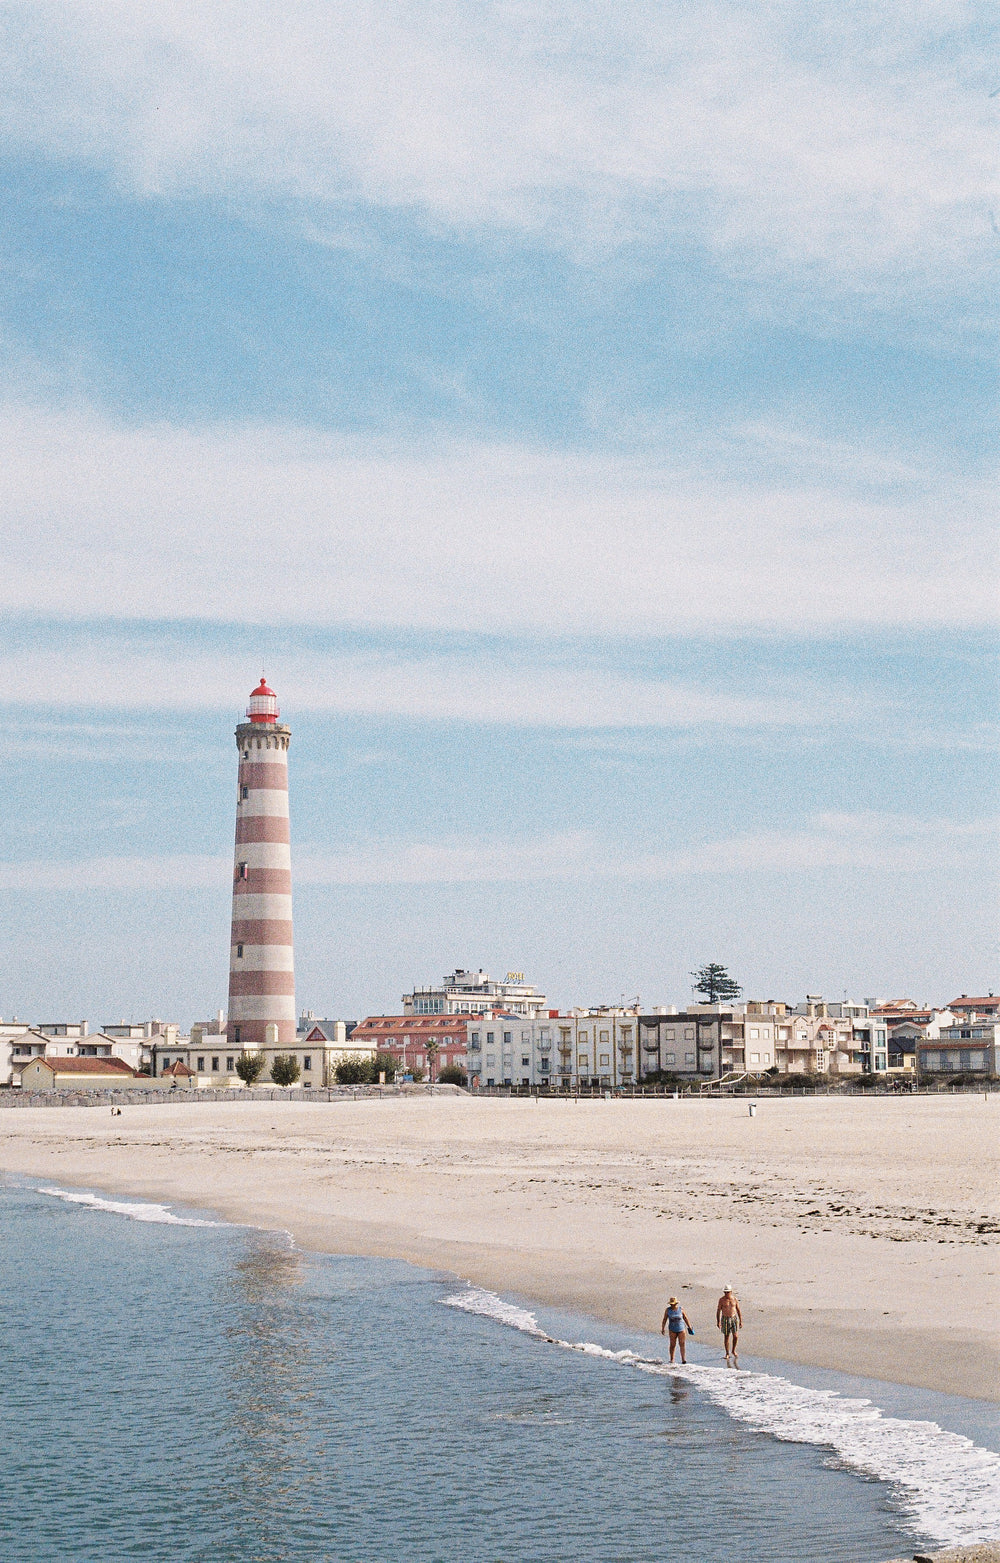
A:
179	1389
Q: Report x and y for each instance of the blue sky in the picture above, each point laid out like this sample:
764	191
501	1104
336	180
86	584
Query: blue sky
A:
586	418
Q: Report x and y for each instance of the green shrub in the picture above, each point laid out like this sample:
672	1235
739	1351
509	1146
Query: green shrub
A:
285	1069
354	1071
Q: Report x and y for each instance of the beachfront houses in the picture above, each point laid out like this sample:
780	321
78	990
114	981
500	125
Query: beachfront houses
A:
210	1056
972	1047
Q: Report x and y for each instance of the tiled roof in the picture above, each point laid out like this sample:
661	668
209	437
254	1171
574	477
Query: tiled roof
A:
87	1066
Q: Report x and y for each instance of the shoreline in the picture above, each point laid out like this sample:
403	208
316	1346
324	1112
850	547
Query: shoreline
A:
837	1226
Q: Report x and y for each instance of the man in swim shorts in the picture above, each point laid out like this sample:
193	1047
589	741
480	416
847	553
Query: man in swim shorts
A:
729	1320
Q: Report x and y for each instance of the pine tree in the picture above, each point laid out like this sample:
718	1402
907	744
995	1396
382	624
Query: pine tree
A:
715	984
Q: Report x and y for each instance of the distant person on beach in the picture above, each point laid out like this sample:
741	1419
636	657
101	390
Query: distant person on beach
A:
679	1324
729	1320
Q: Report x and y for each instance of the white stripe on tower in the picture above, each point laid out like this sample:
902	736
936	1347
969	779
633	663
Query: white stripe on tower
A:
261	963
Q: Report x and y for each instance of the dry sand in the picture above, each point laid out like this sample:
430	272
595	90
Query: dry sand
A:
861	1234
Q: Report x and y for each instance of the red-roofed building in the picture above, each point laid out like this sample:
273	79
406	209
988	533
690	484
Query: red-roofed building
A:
76	1074
965	1007
406	1038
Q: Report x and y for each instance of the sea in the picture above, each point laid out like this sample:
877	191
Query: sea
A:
176	1388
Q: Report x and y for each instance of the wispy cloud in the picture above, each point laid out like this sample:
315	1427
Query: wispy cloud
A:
104	672
875	842
848	141
275	525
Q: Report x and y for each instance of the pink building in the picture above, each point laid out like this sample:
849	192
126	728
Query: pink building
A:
261	964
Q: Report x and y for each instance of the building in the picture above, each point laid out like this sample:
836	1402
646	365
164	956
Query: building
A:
327	1043
473	993
63	1073
261	963
589	1047
18	1043
964	1007
420	1044
972	1048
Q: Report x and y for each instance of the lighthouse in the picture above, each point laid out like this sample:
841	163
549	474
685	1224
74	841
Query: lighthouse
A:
261	963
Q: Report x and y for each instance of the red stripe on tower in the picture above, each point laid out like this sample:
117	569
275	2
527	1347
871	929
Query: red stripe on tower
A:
261	960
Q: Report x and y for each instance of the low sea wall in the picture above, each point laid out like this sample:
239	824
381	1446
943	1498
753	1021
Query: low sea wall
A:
136	1096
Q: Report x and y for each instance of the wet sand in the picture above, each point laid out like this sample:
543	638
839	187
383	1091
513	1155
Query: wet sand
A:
860	1234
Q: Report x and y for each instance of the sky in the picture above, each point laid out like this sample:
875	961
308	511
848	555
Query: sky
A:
584	414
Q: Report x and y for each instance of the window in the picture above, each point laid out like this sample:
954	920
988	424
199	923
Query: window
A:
583	1036
545	1066
239	952
475	1038
491	1081
753	1033
491	1036
755	1058
689	1058
583	1061
244	793
236	1035
307	1062
508	1036
627	1034
490	1062
525	1036
766	1058
605	1036
668	1034
215	1066
229	1064
545	1033
166	1066
201	1066
689	1033
669	1058
526	1063
605	1060
241	871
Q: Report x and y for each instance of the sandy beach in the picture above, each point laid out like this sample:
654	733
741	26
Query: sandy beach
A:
861	1234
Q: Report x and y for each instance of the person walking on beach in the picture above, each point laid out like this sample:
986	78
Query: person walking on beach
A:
729	1320
679	1324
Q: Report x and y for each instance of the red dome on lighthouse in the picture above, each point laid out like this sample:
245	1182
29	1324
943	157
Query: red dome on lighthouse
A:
263	705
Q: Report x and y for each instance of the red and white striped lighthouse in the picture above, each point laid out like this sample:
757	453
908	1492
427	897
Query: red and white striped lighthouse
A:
261	964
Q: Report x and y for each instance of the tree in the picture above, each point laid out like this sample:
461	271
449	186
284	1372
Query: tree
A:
250	1067
432	1049
452	1075
715	984
384	1062
354	1071
285	1069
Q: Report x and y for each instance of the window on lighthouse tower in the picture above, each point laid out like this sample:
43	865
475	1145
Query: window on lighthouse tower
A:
241	871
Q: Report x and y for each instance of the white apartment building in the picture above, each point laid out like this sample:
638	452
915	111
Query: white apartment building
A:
595	1047
19	1043
475	992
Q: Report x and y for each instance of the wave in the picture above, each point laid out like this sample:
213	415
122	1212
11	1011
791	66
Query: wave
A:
134	1211
947	1486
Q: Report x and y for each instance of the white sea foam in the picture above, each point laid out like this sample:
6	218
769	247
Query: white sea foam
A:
947	1487
134	1211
